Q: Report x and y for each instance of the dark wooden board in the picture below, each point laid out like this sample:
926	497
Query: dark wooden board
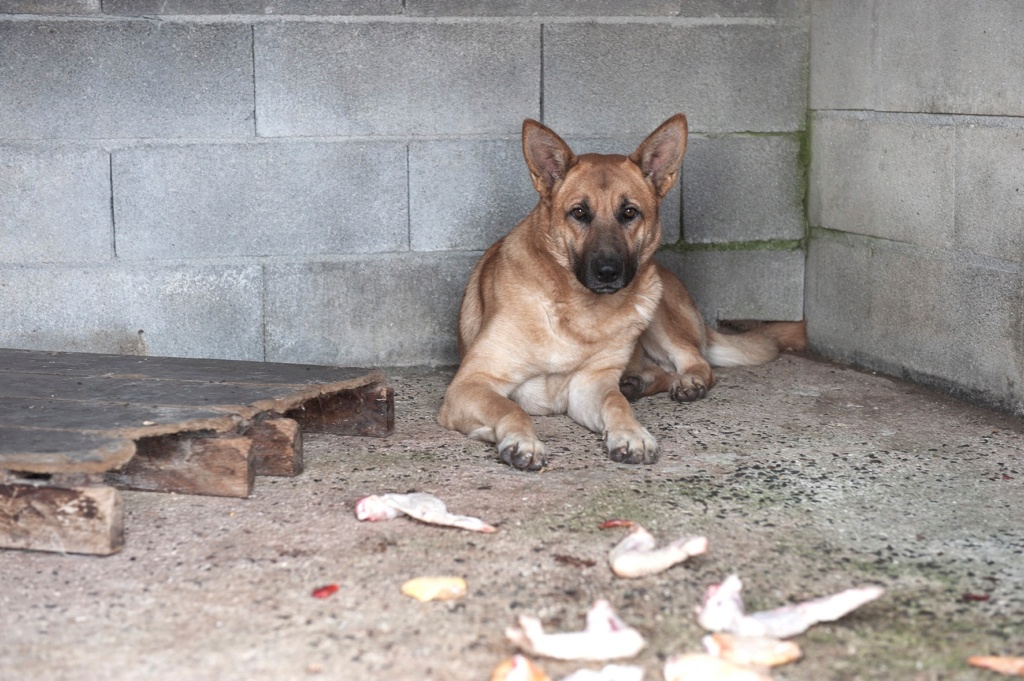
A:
30	450
128	419
71	421
176	368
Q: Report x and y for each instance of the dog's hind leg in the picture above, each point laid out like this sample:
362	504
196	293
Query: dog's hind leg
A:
475	408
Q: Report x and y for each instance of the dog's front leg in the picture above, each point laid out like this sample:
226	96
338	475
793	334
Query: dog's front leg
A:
597	403
474	407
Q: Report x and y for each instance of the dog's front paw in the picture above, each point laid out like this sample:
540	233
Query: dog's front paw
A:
631	446
522	452
688	389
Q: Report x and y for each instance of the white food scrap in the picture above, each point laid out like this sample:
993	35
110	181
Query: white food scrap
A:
611	672
519	668
606	637
753	651
426	589
419	505
1011	666
637	554
697	666
723	611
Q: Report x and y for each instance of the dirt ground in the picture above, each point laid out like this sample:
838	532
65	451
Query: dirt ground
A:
806	477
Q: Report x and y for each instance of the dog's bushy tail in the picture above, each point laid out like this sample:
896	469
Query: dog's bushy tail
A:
760	345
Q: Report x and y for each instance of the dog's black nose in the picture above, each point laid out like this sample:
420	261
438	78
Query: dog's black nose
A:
606	270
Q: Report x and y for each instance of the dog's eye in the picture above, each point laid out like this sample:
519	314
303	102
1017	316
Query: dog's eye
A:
579	212
630	212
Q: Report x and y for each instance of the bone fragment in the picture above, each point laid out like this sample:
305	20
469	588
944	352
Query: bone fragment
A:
611	672
637	554
723	611
751	651
698	666
519	668
1012	666
606	637
423	507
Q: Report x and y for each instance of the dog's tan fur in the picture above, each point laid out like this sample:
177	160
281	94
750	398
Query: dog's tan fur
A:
569	313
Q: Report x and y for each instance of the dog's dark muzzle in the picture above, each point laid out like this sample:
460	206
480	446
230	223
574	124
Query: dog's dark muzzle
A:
605	273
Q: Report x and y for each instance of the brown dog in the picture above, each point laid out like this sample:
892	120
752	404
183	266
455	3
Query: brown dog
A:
569	314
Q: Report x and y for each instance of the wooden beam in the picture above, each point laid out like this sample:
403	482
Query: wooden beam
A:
368	410
189	464
276	446
40	517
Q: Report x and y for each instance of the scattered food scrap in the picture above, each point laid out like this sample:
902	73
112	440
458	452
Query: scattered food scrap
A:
1011	666
426	589
519	668
611	672
723	611
694	666
326	591
752	651
419	505
606	637
974	598
637	554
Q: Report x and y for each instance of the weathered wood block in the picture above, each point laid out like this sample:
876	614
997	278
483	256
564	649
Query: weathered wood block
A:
276	446
367	410
216	466
62	519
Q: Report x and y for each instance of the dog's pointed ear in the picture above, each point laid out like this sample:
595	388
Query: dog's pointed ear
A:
547	156
660	155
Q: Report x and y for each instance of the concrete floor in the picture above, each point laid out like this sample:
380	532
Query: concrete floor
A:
807	478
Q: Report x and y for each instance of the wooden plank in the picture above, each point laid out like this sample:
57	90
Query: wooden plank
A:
120	419
276	446
246	399
368	410
215	466
30	450
175	368
66	520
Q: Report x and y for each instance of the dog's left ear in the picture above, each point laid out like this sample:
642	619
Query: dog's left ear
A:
660	155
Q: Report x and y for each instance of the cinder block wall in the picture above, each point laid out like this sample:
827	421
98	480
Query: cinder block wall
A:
916	201
312	181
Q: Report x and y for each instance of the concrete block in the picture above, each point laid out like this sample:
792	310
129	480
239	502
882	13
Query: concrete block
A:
465	194
124	79
990	190
255	199
884	175
551	8
54	204
743	188
842	63
787	9
384	78
671	205
66	7
741	284
264	7
181	311
382	310
612	79
944	318
959	57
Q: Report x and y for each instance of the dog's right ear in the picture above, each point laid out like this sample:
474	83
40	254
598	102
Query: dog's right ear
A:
547	156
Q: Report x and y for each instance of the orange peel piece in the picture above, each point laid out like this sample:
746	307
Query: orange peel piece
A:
426	589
